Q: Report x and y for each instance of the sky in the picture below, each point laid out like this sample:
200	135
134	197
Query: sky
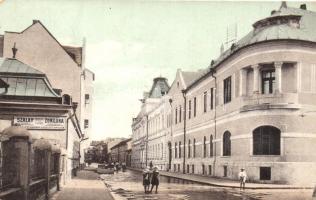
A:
131	42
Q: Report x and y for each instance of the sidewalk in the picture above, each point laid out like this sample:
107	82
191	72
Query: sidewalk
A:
86	186
219	182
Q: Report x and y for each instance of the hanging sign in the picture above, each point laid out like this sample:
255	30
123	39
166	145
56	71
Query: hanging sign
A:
41	122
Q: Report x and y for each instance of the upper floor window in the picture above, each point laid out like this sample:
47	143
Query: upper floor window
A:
87	98
189	149
211	146
227	90
204	147
266	141
205	102
179	149
180	114
189	109
226	144
175	150
176	116
212	99
268	81
194	107
194	148
86	123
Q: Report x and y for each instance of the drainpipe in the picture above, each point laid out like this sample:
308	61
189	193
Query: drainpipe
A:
146	155
215	128
184	127
171	122
74	107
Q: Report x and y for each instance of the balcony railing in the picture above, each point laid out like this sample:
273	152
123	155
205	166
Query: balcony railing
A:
269	101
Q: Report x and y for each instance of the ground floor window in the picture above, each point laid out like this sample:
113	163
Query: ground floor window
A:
225	171
178	167
265	173
192	169
174	168
203	169
188	168
210	169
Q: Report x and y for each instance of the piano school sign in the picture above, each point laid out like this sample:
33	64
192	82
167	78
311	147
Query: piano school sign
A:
49	123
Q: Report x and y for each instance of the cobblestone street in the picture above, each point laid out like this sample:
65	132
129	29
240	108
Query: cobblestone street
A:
86	186
128	185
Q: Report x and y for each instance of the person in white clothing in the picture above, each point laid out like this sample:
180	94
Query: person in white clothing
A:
242	178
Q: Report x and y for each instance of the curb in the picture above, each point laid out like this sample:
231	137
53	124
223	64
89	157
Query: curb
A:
231	186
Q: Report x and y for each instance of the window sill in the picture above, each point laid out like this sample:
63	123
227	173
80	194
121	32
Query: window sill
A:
265	155
225	156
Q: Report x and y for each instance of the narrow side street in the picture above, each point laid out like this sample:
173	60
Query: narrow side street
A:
86	186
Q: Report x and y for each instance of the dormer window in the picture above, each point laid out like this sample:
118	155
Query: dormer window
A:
278	19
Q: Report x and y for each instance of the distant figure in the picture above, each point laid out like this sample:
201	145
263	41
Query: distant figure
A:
155	179
123	167
242	178
151	165
117	167
146	180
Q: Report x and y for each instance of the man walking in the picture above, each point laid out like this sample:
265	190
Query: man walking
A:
242	178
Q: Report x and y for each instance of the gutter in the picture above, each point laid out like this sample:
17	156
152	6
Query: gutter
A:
213	66
184	127
215	128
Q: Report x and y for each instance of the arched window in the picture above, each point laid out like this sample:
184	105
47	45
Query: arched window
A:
204	147
226	144
266	140
211	146
189	149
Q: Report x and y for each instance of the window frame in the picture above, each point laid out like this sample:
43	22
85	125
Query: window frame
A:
227	90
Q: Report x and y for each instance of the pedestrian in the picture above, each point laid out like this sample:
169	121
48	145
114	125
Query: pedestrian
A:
242	178
146	180
155	179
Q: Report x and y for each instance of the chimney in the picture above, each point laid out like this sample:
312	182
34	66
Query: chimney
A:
14	50
303	7
35	21
283	4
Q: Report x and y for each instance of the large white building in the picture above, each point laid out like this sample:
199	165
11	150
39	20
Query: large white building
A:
254	107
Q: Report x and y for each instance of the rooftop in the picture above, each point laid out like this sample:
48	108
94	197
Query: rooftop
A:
24	80
286	23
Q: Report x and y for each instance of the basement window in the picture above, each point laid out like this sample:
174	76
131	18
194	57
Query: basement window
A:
265	173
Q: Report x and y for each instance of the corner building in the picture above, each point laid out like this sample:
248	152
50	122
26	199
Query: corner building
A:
256	105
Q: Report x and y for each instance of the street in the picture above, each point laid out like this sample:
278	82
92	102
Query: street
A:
129	185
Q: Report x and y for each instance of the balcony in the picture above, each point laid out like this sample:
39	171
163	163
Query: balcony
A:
269	101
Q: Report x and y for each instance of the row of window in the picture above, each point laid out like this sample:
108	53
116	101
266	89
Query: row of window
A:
155	151
266	141
267	87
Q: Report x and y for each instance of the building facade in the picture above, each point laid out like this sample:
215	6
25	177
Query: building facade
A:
254	107
28	100
149	127
63	65
120	152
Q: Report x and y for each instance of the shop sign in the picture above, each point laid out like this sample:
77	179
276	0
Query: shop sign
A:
41	122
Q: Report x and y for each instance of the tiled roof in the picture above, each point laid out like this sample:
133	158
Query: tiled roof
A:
159	88
306	30
75	53
190	77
